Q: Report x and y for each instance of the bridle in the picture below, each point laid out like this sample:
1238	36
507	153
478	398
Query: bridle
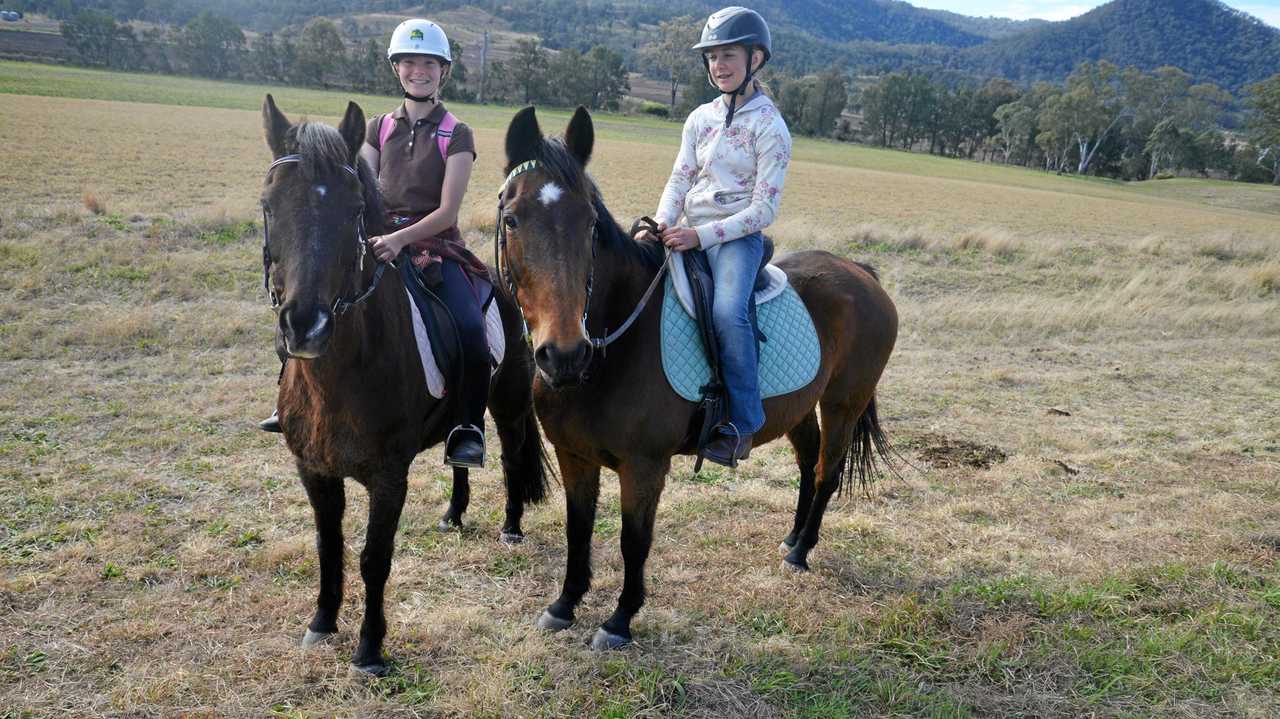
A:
340	304
509	276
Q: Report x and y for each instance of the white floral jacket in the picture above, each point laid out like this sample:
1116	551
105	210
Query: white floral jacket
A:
728	182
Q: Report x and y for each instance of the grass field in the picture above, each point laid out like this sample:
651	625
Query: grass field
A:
1085	382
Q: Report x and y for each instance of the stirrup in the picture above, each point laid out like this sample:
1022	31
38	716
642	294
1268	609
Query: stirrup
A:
737	453
449	448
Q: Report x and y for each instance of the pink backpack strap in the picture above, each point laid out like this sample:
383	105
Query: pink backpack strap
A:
444	133
385	128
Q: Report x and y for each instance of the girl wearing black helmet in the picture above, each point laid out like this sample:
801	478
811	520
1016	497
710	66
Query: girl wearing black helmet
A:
726	185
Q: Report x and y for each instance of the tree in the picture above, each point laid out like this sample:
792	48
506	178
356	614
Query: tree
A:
828	94
321	52
527	71
1264	123
1087	111
211	46
606	78
100	42
671	55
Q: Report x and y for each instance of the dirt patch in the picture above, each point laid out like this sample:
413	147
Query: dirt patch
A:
946	453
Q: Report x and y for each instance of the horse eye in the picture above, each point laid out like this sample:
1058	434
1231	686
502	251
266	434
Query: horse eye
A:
510	222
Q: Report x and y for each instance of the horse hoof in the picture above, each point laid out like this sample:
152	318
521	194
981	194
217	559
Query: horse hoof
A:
548	622
605	640
448	525
511	538
311	639
370	670
794	568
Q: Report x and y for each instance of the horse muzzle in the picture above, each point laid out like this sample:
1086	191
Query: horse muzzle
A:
560	367
306	333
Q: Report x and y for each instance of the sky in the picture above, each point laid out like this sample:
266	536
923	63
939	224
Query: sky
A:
1265	10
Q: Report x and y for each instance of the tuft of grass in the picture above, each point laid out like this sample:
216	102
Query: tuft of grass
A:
93	204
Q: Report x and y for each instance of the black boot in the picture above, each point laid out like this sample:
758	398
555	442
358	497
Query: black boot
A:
271	424
465	447
727	449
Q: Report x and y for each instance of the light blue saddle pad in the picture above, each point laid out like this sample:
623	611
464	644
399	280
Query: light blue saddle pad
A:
788	360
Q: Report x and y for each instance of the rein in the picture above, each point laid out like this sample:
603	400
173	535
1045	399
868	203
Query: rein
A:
502	261
340	305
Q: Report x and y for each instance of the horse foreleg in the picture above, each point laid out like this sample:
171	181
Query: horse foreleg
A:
386	500
806	441
641	486
327	503
581	490
459	498
837	430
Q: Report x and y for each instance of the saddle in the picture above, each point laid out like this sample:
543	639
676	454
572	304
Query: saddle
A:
435	327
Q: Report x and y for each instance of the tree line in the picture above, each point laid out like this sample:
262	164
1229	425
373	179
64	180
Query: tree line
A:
1101	120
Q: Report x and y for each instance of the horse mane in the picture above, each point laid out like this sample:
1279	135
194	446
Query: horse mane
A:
556	160
323	151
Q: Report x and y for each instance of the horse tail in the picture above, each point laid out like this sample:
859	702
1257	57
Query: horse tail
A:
533	466
870	452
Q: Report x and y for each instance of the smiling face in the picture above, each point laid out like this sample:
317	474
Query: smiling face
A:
728	66
420	75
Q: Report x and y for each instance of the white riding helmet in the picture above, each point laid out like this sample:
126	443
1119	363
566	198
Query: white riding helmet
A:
419	37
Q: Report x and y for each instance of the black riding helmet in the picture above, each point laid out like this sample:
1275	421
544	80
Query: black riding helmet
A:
735	26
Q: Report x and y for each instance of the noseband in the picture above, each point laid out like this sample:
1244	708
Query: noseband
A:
340	304
502	261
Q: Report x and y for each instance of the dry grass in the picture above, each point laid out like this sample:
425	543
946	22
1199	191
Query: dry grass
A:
1122	560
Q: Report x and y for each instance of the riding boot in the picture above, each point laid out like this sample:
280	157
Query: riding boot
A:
271	424
728	447
465	447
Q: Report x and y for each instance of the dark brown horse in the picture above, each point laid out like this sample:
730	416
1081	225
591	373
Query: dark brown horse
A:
566	256
353	400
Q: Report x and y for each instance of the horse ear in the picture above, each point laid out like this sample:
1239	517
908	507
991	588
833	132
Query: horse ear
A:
524	137
352	129
581	135
275	125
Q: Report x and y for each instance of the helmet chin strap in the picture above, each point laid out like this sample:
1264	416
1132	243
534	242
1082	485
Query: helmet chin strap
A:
424	98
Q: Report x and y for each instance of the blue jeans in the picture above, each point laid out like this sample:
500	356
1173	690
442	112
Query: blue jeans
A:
734	269
465	307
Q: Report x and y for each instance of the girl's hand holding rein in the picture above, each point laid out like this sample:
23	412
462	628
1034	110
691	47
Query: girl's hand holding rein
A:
386	247
680	238
647	234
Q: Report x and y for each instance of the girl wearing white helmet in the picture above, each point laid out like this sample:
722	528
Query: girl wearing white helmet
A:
423	158
724	189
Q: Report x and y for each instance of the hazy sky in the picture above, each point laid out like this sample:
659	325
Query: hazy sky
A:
1266	10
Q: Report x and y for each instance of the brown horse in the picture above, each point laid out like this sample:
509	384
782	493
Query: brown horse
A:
576	274
353	400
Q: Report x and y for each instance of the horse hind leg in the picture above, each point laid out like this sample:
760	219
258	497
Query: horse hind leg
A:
459	499
386	500
838	422
806	441
524	462
328	501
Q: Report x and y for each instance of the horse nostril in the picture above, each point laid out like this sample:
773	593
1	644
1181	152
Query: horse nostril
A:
542	357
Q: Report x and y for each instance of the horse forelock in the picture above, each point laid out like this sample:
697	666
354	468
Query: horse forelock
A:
320	146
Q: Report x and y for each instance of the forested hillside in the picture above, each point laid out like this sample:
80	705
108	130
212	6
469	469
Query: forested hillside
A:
1209	40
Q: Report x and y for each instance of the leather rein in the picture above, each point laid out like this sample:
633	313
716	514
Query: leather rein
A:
340	304
507	271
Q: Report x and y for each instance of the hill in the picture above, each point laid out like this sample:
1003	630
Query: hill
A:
1204	37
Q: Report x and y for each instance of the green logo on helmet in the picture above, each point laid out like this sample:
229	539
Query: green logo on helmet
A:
415	35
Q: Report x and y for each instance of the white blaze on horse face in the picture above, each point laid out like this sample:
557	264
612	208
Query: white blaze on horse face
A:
549	193
321	190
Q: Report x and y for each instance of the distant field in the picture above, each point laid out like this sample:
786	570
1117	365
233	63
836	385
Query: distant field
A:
1085	384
